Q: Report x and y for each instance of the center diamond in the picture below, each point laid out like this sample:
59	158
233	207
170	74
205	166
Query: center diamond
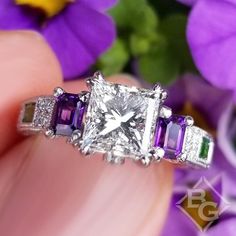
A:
120	119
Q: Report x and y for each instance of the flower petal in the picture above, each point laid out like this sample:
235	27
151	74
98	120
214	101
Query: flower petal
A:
227	227
100	5
227	133
210	101
16	17
78	37
212	38
182	226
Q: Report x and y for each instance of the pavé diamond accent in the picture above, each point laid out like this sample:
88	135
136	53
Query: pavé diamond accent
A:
44	112
120	119
194	144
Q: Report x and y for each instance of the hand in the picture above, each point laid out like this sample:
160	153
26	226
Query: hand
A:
46	187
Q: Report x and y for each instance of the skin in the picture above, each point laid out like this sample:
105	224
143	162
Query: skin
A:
46	187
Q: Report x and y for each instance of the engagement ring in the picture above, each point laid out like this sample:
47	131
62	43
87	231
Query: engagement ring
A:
120	121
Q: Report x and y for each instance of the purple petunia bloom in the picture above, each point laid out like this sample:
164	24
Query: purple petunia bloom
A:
212	104
78	34
211	34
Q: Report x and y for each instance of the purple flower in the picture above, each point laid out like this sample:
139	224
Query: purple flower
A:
78	33
208	105
211	34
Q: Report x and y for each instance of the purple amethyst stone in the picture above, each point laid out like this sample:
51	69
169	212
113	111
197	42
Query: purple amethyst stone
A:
69	114
169	135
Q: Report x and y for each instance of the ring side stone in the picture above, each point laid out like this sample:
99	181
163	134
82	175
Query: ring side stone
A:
69	114
169	135
29	110
205	146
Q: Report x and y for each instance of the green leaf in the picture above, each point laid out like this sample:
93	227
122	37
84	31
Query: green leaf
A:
139	45
147	24
174	29
115	59
128	12
159	66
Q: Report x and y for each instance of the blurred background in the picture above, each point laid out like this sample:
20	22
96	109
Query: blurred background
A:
189	46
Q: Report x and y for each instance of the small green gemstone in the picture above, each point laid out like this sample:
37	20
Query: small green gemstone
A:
29	112
204	148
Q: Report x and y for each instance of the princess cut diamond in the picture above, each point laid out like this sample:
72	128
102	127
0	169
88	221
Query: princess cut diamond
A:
120	119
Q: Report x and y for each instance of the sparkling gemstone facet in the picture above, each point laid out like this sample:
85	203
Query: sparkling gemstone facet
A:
204	148
170	135
120	119
69	114
44	112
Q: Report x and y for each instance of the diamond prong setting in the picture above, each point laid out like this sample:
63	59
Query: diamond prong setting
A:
84	96
182	157
189	120
98	75
75	137
156	154
112	158
49	133
145	161
165	112
58	91
164	95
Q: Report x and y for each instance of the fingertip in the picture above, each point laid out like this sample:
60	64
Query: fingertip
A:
28	68
85	191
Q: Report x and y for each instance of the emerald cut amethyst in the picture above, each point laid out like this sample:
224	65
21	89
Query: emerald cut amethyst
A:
169	135
69	114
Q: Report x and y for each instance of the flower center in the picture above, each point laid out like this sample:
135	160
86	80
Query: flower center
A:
199	119
49	7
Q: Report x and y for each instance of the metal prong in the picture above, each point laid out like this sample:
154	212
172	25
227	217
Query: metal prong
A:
111	158
90	82
158	91
86	151
75	136
145	161
49	133
84	96
189	120
164	95
165	112
98	75
58	92
157	87
182	157
157	154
